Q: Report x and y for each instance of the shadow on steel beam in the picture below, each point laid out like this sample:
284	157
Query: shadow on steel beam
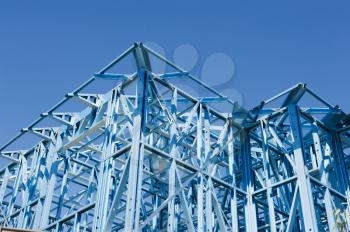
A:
4	229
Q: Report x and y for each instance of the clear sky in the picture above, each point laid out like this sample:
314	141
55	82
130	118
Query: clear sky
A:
47	48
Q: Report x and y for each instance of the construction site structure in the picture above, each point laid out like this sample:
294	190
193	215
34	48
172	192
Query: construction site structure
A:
148	156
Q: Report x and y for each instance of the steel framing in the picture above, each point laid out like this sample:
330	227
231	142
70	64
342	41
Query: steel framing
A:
148	156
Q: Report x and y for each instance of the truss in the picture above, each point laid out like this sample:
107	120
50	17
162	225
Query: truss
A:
148	156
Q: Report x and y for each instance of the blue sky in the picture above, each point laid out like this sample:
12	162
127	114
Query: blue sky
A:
47	48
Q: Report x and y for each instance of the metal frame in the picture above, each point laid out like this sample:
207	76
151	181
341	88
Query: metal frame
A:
148	156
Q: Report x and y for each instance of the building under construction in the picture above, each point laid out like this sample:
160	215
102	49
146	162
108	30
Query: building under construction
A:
145	155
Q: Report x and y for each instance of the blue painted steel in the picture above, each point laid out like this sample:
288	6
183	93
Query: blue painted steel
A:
148	156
